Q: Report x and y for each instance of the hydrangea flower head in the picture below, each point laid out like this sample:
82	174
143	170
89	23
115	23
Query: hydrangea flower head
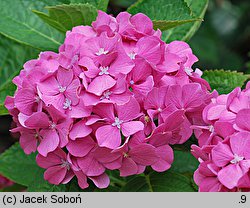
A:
115	97
224	143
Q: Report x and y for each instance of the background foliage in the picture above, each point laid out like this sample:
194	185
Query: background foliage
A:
30	26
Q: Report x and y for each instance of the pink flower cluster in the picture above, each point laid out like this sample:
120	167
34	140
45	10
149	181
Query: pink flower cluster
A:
115	97
224	143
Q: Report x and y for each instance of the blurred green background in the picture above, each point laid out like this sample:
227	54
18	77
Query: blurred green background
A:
222	42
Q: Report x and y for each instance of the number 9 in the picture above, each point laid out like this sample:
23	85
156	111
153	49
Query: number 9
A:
243	198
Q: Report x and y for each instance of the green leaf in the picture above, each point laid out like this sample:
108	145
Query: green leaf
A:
6	89
17	166
20	24
168	24
159	182
185	32
65	17
184	162
99	4
162	9
225	81
40	185
12	57
165	14
22	169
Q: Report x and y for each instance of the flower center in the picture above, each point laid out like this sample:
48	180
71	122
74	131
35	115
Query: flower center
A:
52	125
146	119
104	70
211	128
62	89
132	55
117	123
236	159
101	51
159	110
67	104
125	155
132	82
106	95
65	164
188	71
37	99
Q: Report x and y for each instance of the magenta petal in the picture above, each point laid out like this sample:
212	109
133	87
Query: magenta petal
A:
28	142
90	166
242	119
37	120
131	127
49	142
55	174
64	77
230	175
80	147
144	154
221	155
80	130
25	101
82	179
128	168
100	84
108	136
209	184
240	144
101	181
166	158
129	110
52	159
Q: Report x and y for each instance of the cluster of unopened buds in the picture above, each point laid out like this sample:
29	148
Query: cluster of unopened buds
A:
224	143
115	97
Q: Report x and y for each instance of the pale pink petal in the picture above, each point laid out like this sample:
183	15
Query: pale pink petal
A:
222	155
108	136
166	158
80	130
230	175
100	84
64	77
49	142
129	110
101	181
131	127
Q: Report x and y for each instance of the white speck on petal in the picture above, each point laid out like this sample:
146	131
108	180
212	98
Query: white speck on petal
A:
101	51
211	128
62	89
117	123
65	164
106	95
189	71
159	110
67	104
236	159
104	70
132	55
52	125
